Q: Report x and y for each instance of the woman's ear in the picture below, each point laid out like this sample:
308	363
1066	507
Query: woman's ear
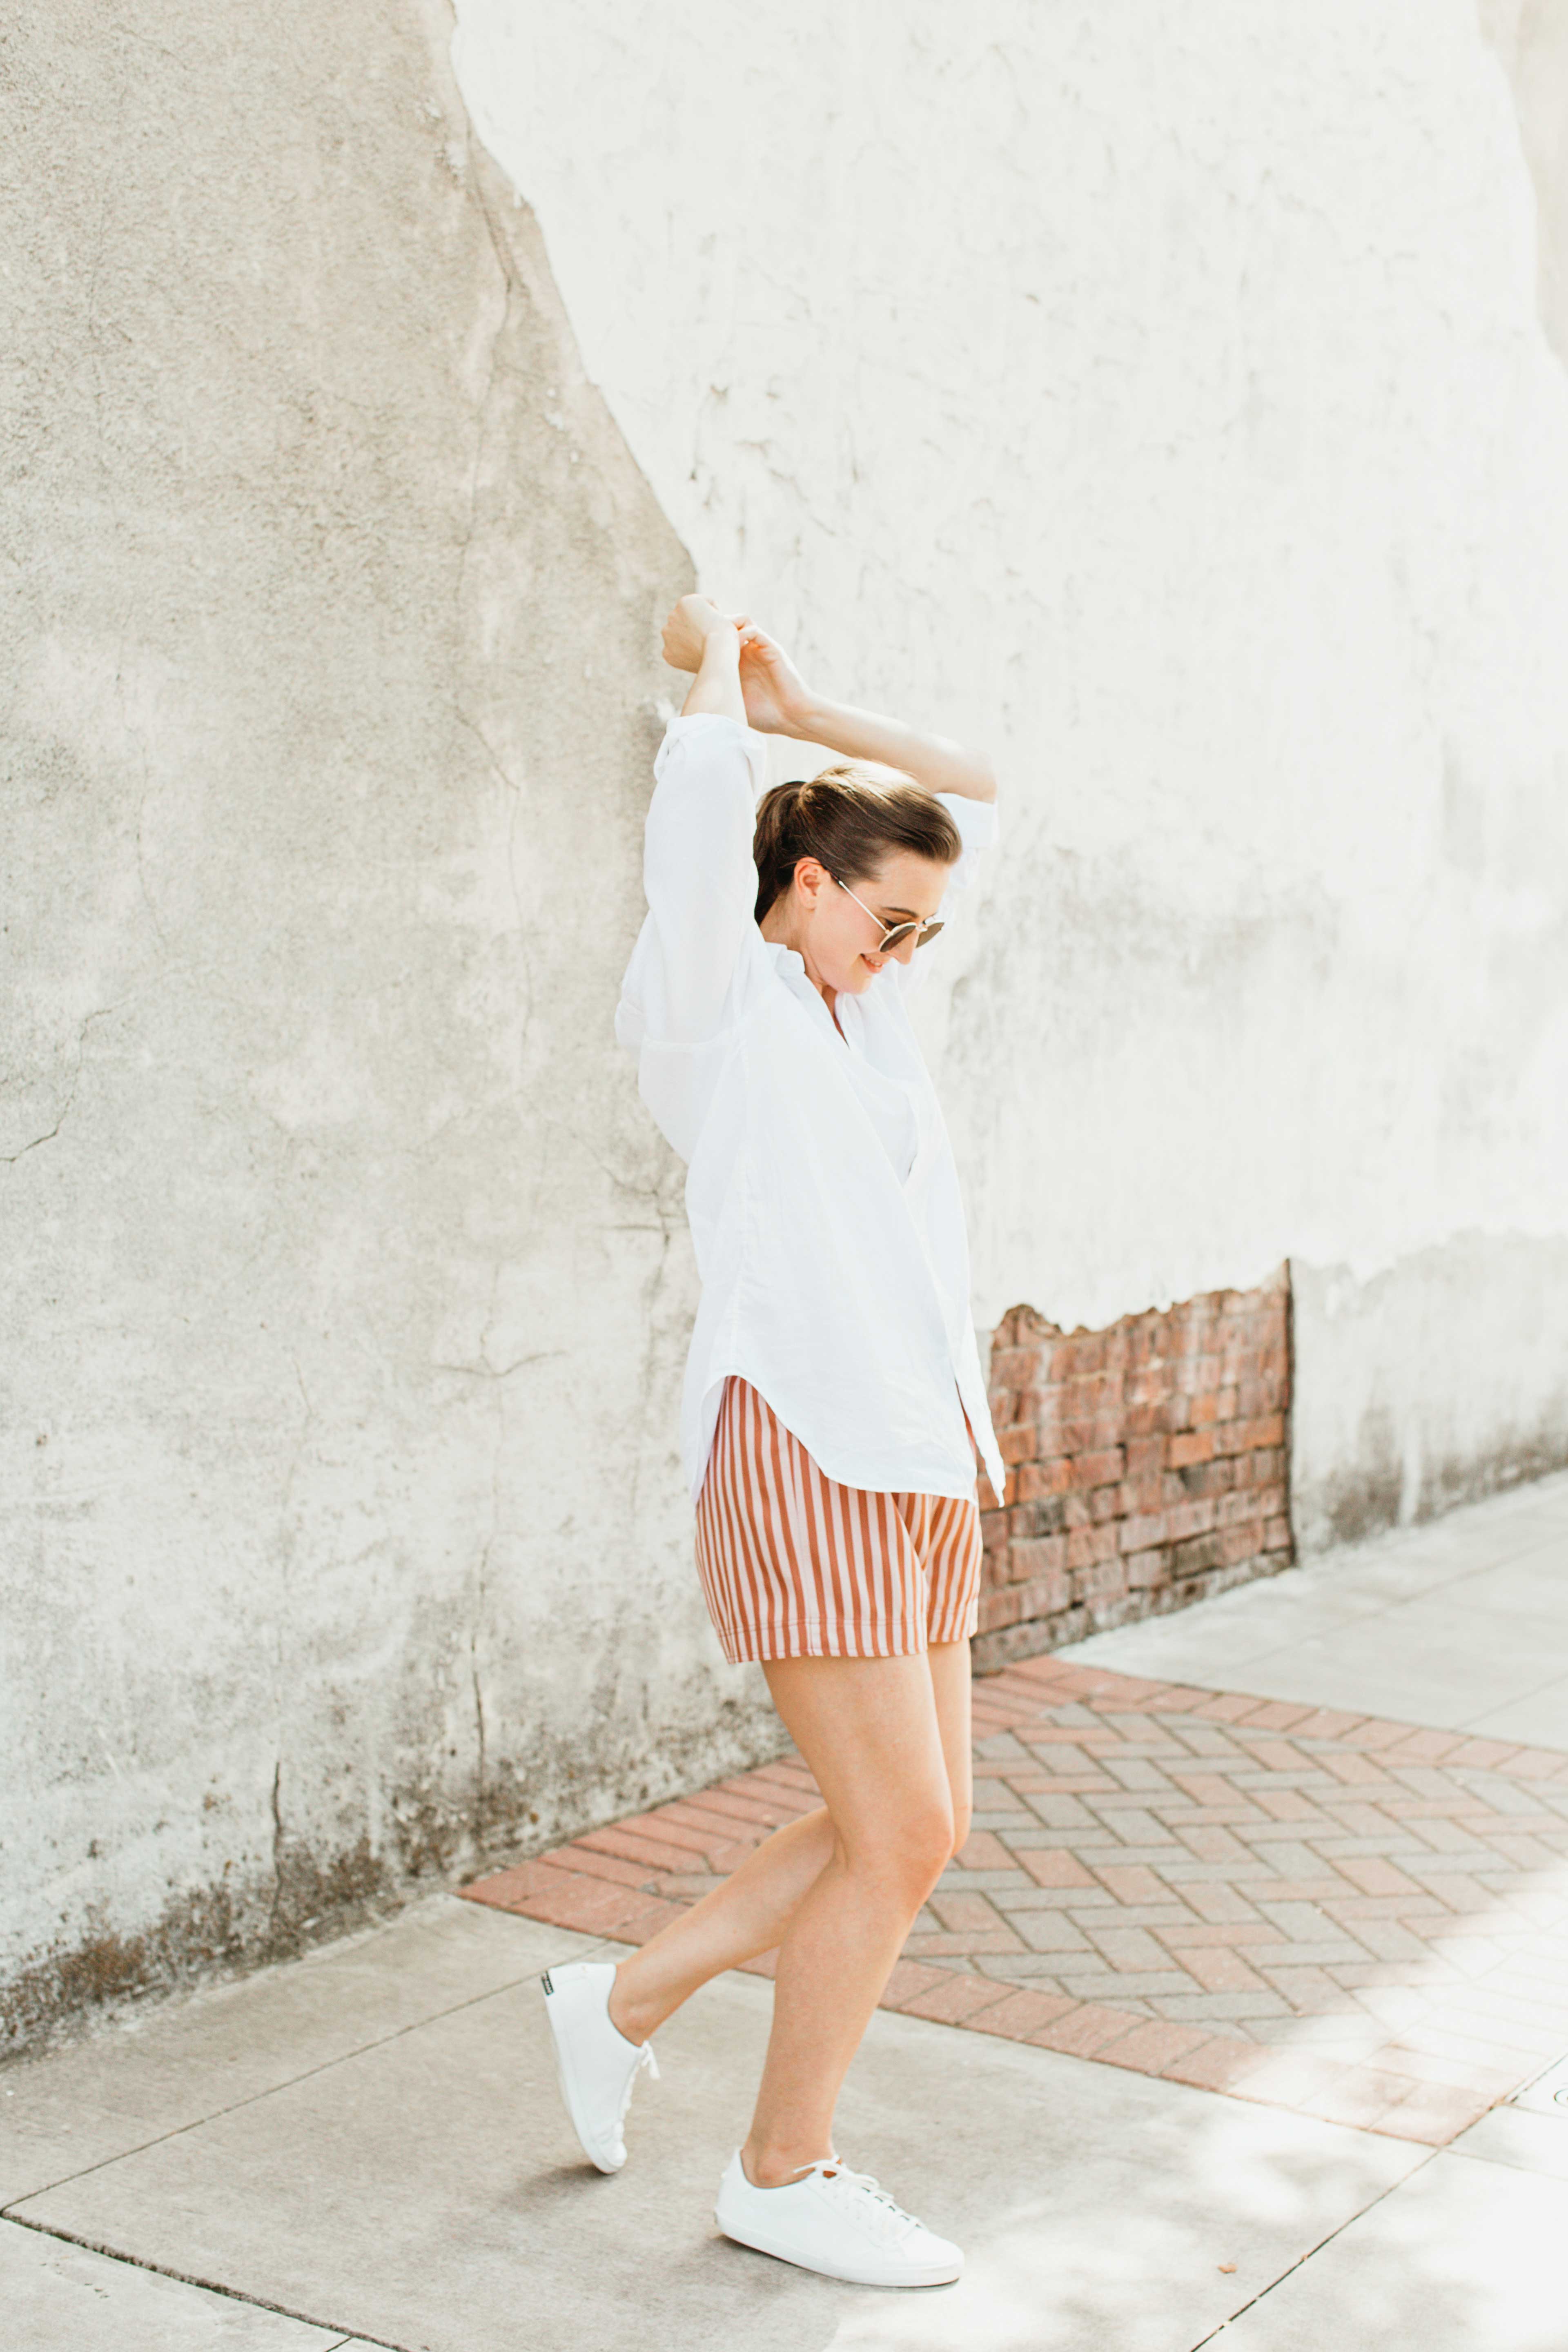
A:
811	879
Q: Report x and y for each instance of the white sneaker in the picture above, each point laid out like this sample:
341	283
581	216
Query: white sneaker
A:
836	2221
596	2065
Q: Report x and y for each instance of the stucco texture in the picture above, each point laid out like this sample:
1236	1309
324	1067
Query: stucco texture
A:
1174	399
344	1536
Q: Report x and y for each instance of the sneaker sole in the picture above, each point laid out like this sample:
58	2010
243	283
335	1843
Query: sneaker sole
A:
564	2077
861	2275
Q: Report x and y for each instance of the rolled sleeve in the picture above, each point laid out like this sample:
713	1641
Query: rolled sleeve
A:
700	879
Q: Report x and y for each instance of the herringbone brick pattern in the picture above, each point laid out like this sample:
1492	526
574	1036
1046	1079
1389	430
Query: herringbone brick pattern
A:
1357	1919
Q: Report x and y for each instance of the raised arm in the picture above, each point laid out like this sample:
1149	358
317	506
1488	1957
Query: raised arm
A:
699	636
680	993
779	702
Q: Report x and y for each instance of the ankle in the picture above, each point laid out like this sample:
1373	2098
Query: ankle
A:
775	2167
631	2018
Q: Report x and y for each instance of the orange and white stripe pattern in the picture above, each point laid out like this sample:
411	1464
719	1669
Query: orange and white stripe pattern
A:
795	1565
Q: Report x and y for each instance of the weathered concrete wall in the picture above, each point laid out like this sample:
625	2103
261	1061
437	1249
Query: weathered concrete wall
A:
1177	398
345	1292
1443	1377
1174	399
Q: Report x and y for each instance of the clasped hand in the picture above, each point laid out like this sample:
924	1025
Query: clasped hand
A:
777	697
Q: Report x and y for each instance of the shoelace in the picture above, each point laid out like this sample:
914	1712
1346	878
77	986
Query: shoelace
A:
871	2203
645	2058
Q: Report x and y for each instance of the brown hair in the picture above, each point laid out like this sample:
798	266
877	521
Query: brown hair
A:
849	818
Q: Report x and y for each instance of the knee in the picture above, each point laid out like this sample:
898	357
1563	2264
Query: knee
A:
962	1817
915	1854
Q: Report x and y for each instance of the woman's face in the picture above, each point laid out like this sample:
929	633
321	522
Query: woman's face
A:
836	938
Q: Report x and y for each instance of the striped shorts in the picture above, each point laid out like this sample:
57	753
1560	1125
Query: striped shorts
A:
795	1565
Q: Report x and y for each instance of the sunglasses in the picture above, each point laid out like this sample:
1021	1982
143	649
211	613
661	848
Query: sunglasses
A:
895	934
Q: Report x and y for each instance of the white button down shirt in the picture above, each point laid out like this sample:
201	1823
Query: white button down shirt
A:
821	1187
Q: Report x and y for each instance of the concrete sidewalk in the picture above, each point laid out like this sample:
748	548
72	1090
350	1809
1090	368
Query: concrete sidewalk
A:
366	2147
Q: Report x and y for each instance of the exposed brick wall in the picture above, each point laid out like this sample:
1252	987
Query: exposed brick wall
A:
1147	1466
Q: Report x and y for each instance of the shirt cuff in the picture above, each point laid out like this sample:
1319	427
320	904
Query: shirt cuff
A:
683	724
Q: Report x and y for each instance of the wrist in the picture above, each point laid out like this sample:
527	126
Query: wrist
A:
803	720
722	647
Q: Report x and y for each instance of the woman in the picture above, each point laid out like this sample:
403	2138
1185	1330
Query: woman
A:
832	1399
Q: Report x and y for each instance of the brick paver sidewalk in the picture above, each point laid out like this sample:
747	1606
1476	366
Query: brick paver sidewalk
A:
1354	1918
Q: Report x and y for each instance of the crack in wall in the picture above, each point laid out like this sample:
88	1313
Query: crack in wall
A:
101	1014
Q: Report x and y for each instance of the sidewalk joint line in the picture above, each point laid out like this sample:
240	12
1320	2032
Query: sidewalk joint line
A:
209	2286
1520	1696
1313	2252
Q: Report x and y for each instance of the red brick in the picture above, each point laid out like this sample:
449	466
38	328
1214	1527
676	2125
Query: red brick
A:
1044	1596
983	1851
1084	2031
1483	1754
1102	1580
1327	1723
588	1860
1088	1546
1154	2045
910	1978
1037	1479
956	1999
567	1899
657	1853
507	1890
961	1945
1218	1968
1374	1874
1101	1469
1103	1687
1194	1518
962	1911
1023	2015
1053	1865
1029	1557
1199	1446
1221	2064
744	1810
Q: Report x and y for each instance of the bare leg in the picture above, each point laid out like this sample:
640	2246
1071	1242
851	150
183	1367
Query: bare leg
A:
951	1689
745	1915
869	1731
750	1912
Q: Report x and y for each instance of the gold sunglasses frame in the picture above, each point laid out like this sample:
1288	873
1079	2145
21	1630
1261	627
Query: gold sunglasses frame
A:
925	930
